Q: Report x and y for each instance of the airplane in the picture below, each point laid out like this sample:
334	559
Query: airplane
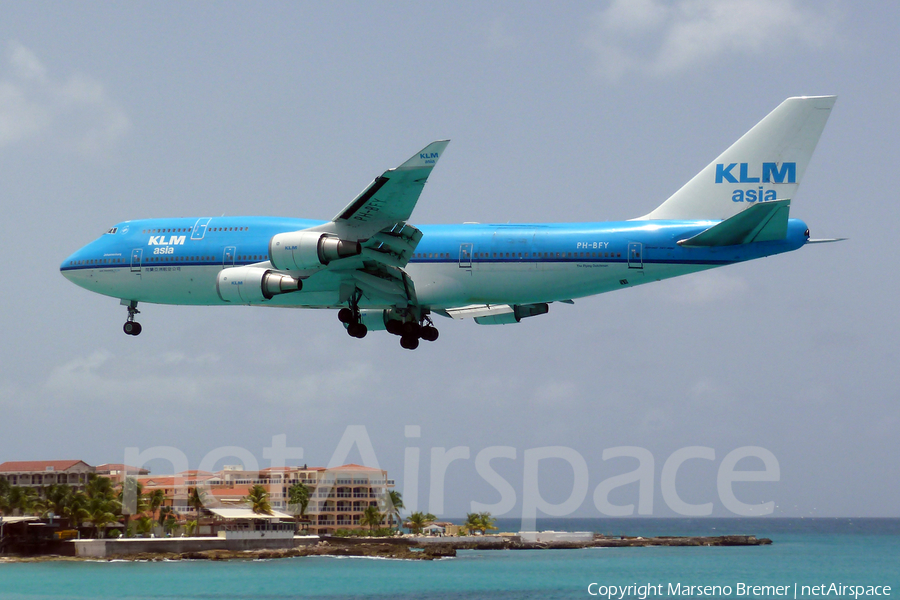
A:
383	273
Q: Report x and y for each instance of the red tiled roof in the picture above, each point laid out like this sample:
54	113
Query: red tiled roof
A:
238	490
120	467
158	482
38	465
354	467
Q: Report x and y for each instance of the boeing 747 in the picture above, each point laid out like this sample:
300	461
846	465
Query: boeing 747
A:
381	272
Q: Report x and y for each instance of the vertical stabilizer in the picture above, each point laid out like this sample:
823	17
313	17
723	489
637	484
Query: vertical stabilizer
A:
766	164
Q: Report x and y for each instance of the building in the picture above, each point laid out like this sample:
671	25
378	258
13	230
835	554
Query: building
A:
117	470
338	497
38	473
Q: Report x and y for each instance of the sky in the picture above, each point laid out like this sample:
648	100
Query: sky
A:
586	111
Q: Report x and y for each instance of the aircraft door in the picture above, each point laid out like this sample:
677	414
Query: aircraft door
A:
136	256
199	229
228	256
635	258
465	256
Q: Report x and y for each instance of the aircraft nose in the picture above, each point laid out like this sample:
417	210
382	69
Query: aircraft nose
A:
70	269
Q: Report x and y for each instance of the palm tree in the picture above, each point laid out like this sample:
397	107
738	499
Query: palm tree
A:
418	521
171	523
21	499
259	500
372	518
394	501
298	496
155	499
480	522
196	501
164	513
99	487
4	496
102	512
76	509
190	527
144	524
130	487
56	498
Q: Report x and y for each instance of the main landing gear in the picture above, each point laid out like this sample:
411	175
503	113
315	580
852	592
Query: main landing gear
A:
408	327
411	332
132	327
350	318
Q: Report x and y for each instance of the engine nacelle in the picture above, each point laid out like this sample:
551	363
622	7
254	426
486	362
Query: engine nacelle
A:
304	250
250	285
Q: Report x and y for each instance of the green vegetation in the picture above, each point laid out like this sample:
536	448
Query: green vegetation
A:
380	532
482	522
258	498
394	502
371	518
197	500
298	501
100	504
418	521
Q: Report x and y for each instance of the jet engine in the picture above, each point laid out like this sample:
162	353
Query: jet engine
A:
249	285
303	250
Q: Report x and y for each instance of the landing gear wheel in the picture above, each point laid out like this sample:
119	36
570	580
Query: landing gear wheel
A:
409	342
429	333
411	329
345	315
131	327
357	330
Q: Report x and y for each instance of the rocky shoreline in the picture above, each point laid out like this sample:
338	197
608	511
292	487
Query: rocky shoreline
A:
409	549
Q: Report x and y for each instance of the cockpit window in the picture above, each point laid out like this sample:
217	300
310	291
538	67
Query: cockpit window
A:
113	230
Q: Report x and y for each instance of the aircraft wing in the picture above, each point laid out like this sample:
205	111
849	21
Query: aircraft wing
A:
376	219
390	199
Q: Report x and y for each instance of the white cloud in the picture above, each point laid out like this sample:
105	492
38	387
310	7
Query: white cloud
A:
660	38
75	114
179	382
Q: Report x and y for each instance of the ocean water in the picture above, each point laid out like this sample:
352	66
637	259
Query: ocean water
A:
805	552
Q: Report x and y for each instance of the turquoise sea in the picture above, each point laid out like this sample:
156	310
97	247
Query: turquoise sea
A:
805	552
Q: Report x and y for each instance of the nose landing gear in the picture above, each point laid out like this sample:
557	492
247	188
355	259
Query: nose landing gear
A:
132	327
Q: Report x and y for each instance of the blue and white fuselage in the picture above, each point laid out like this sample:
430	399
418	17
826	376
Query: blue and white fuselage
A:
385	273
453	265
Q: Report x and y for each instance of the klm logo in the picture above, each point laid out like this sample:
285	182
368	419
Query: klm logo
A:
160	240
430	158
771	173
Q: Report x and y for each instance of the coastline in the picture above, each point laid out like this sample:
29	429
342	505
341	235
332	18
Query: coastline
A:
423	548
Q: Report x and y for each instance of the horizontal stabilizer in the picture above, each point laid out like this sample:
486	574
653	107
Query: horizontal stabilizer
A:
763	222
